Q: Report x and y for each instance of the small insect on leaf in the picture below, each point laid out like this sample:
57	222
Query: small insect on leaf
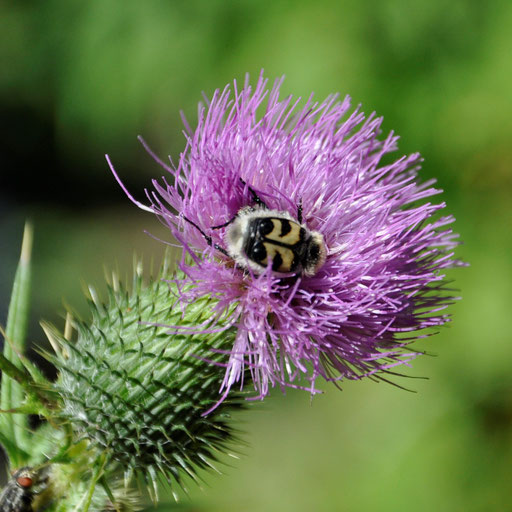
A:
25	482
19	493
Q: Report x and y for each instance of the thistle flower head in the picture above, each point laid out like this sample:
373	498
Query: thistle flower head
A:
381	283
137	392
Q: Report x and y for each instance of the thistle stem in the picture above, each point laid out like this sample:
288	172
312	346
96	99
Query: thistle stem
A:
94	480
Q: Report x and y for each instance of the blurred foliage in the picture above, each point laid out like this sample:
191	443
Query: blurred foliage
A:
80	79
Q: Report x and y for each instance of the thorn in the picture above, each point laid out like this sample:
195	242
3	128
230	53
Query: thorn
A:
94	296
47	328
115	282
68	326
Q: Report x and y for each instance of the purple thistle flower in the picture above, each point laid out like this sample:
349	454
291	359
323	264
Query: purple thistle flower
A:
382	281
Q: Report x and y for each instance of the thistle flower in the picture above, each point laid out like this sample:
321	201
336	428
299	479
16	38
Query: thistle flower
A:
382	280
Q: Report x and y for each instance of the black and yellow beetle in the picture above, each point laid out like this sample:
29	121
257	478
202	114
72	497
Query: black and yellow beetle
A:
257	237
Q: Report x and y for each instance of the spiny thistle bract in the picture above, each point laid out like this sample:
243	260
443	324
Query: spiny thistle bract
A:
138	391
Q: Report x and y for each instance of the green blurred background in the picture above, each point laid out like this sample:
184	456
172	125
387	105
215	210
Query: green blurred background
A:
80	79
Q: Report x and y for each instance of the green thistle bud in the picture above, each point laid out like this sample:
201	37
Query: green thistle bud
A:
137	390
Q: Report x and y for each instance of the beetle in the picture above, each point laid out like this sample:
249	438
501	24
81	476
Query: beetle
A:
258	236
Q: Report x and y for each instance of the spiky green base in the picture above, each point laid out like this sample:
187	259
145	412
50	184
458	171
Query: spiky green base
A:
137	391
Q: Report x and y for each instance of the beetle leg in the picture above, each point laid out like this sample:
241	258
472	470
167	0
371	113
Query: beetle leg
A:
225	223
255	197
208	239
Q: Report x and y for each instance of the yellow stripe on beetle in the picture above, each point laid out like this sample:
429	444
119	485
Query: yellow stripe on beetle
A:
286	255
291	238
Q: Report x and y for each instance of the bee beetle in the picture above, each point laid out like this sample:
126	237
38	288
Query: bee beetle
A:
19	493
257	237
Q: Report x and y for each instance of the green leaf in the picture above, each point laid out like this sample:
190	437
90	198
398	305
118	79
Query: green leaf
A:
10	447
14	427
